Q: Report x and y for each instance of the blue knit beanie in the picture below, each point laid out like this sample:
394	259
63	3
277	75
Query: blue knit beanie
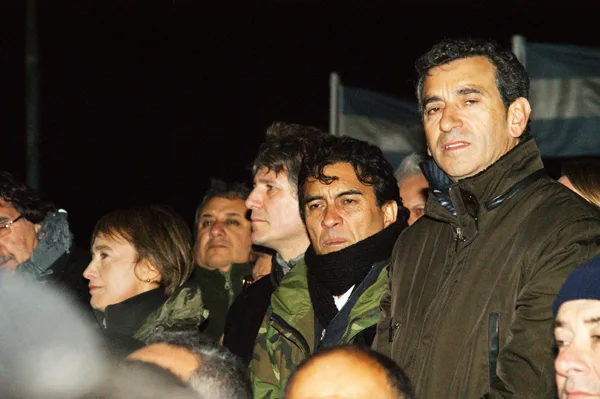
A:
583	283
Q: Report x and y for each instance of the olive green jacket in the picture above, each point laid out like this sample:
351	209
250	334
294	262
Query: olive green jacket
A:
184	308
218	293
287	334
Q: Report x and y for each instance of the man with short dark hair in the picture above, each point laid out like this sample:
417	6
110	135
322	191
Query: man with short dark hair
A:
350	372
35	240
221	250
276	224
349	203
469	313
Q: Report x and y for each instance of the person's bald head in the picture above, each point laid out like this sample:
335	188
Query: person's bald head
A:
348	372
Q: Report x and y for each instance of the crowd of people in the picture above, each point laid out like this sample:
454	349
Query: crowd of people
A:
466	273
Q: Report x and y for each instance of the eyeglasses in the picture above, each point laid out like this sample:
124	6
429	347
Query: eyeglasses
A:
5	228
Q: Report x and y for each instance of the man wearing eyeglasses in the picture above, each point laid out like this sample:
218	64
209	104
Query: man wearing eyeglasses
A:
36	241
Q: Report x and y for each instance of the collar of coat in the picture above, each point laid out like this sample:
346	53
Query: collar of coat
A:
490	188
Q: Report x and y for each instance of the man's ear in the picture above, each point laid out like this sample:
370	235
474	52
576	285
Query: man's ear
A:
518	115
390	212
37	227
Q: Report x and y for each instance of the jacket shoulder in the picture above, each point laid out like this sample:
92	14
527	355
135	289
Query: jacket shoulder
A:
184	308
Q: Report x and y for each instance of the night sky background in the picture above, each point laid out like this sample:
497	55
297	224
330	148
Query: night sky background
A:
143	101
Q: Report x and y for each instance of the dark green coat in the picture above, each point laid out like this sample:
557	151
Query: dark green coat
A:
218	295
469	313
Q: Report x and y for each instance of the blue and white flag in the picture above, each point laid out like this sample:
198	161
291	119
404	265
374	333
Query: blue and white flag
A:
565	98
392	124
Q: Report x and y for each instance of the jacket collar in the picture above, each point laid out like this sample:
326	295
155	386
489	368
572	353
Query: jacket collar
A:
128	316
490	188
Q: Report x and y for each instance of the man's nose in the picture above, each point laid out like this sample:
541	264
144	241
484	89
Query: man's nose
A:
571	360
450	119
253	201
217	229
331	218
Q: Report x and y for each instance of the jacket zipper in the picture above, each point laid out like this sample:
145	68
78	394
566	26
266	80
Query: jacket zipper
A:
459	237
301	341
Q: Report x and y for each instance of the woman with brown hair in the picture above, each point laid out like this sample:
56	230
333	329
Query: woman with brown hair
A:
141	258
583	177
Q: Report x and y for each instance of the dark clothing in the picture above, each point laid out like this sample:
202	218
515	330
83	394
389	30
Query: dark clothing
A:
248	310
218	294
245	316
121	321
134	322
469	311
67	274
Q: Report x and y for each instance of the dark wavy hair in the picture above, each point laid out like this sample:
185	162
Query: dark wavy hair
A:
511	78
158	235
284	149
33	206
369	164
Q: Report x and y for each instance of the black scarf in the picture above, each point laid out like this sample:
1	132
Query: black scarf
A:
335	273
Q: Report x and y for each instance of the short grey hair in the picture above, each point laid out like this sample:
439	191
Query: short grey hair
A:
221	374
409	167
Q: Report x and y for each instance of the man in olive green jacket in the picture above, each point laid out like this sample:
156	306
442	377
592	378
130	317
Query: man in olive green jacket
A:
469	312
349	202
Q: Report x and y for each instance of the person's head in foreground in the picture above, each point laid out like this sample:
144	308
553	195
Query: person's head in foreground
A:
136	250
209	369
412	186
349	372
583	177
47	348
577	331
473	98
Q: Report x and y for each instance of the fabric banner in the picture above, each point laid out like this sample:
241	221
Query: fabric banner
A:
565	98
392	124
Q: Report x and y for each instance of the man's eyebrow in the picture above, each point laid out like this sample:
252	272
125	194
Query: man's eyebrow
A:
431	99
265	180
468	90
592	320
349	192
4	219
310	198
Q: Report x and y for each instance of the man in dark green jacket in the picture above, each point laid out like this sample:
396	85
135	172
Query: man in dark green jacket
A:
469	313
349	203
221	251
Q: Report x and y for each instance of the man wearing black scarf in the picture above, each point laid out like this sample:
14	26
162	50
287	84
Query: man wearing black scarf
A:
349	203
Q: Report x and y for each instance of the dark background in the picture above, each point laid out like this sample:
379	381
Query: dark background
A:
142	101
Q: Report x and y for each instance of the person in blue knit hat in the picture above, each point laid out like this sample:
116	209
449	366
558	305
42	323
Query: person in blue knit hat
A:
577	333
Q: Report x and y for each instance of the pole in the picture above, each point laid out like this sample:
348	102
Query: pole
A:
334	82
32	144
518	47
